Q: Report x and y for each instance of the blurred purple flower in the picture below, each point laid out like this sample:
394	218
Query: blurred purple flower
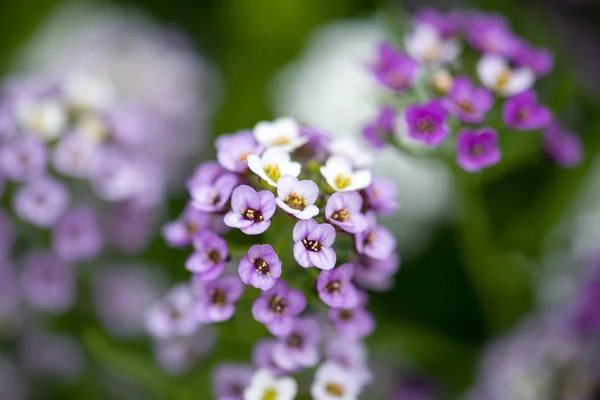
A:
230	381
173	315
476	150
23	159
77	235
375	274
381	196
375	241
277	308
216	299
353	323
262	357
427	122
177	355
336	289
394	69
233	150
209	257
378	131
300	348
523	112
563	147
41	202
468	102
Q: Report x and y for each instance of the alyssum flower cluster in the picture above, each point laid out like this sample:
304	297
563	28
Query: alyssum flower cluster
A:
295	212
441	88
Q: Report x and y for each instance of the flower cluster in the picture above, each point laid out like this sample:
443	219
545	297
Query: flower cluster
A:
306	207
457	73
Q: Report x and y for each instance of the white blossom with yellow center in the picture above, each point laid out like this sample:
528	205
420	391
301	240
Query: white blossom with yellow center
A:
45	119
264	386
425	44
340	175
283	133
272	165
332	382
495	74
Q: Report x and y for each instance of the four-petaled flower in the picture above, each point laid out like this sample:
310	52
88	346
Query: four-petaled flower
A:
427	122
375	241
394	69
340	175
300	348
333	382
272	165
233	150
211	187
313	241
260	267
477	149
353	323
297	197
426	45
215	300
283	133
336	289
344	210
523	112
265	386
209	257
496	75
468	102
251	211
277	308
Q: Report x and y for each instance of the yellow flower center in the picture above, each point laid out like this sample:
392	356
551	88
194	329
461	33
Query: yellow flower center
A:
334	389
503	79
273	172
244	156
280	140
270	394
341	215
342	181
295	201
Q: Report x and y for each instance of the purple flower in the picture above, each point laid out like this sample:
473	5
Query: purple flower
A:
251	211
173	315
47	283
212	196
350	355
261	267
539	60
130	227
181	232
77	235
277	308
446	24
23	159
232	150
344	211
122	293
375	241
426	122
382	196
524	113
468	102
50	356
205	174
586	316
209	257
377	132
354	322
489	33
336	289
41	202
74	156
313	241
296	197
394	69
300	348
230	381
262	357
562	146
478	149
375	274
216	299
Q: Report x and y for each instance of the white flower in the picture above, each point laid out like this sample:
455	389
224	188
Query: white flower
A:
46	119
266	386
495	74
358	155
297	197
339	174
332	382
272	165
88	91
283	133
425	44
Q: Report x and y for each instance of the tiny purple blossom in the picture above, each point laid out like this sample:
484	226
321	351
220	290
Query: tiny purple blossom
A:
344	211
129	227
176	355
213	196
232	150
313	241
74	155
381	196
23	159
586	316
563	147
277	308
468	102
251	211
230	381
447	25
377	131
300	348
539	60
260	267
375	241
262	357
180	232
523	112
353	323
216	299
77	235
336	289
478	149
173	315
490	34
394	69
47	283
427	122
209	257
205	174
375	274
41	202
296	197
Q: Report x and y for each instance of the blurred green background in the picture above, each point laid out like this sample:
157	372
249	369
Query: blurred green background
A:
474	280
